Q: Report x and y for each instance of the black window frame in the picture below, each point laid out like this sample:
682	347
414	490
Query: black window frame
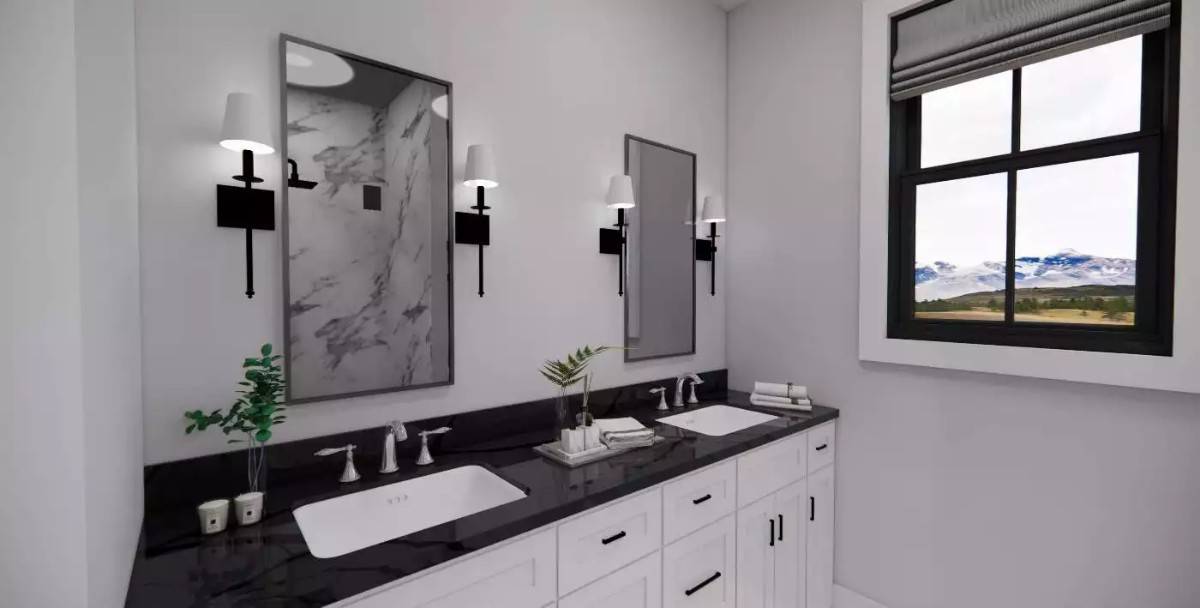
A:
1156	144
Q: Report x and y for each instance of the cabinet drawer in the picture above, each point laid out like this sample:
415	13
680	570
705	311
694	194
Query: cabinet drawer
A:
698	499
699	569
771	467
638	585
519	574
602	541
821	442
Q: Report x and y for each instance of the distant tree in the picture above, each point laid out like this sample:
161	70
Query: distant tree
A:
993	305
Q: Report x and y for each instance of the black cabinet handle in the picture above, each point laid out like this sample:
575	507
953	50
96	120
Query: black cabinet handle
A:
771	534
780	526
716	575
822	446
615	537
704	498
812	509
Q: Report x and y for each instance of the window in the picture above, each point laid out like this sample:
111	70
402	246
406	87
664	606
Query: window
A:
1035	207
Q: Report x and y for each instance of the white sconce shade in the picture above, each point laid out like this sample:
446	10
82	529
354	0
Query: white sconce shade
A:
714	210
620	192
481	167
245	126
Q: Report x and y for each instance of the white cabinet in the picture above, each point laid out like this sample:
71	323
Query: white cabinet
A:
820	539
754	531
638	585
772	550
699	569
519	574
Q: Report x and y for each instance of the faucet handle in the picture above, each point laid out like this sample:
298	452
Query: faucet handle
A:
397	429
692	395
349	473
424	458
661	391
437	431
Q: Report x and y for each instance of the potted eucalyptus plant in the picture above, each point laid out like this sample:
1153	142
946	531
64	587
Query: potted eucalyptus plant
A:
258	408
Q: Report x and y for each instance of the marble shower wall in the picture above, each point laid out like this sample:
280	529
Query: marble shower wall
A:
367	300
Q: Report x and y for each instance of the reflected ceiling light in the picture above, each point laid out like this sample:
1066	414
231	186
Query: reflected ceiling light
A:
612	240
441	106
309	67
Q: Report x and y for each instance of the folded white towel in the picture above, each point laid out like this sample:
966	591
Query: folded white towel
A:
610	425
780	400
778	389
803	406
628	439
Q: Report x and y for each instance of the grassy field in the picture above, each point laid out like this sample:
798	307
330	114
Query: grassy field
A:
1058	315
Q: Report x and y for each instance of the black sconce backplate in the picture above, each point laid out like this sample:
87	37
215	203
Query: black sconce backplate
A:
240	207
704	250
472	228
610	241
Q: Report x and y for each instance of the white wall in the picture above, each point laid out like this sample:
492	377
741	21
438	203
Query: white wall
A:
553	86
70	455
954	488
110	294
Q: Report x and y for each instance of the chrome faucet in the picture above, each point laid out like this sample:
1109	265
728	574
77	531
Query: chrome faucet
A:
679	388
424	458
395	433
349	473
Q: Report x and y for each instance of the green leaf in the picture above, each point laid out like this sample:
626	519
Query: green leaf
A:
263	436
266	349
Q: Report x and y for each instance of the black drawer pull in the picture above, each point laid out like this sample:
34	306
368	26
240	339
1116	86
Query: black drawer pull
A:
771	534
812	509
822	446
715	576
781	527
704	498
614	538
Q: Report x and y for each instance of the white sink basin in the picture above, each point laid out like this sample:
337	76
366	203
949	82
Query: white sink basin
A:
717	420
341	525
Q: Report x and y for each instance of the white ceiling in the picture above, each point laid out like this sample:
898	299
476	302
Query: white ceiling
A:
730	4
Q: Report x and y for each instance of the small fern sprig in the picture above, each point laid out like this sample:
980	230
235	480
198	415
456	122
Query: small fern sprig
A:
567	372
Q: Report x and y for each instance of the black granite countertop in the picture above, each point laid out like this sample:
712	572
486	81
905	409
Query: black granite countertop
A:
268	564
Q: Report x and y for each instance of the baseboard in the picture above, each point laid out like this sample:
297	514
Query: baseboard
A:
845	598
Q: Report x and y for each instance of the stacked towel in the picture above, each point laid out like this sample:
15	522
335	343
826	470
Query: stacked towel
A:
618	440
784	396
621	433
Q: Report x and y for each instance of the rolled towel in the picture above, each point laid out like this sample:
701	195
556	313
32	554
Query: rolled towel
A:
803	406
780	400
780	389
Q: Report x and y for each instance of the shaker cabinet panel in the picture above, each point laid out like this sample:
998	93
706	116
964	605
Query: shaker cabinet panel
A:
603	540
755	554
820	539
638	585
699	569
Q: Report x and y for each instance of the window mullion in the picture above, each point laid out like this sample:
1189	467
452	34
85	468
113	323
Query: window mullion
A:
1010	261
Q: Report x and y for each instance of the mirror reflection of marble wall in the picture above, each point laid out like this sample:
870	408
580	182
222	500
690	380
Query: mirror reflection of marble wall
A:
660	300
367	271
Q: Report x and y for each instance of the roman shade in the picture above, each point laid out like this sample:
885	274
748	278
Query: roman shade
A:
961	40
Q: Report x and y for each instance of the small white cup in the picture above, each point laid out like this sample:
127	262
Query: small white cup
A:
214	515
248	508
571	441
591	437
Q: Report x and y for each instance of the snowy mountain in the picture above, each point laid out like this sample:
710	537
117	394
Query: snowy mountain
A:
1067	268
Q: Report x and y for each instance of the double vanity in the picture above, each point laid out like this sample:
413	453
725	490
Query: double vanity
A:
733	508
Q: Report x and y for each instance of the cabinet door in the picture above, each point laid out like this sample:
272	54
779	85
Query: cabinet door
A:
790	509
519	574
698	569
638	585
820	539
756	538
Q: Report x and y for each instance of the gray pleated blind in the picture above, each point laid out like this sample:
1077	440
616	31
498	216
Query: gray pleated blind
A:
962	40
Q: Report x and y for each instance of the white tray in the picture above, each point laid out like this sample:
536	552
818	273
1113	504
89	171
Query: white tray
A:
552	451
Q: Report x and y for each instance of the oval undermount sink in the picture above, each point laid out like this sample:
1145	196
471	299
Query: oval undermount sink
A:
341	525
717	420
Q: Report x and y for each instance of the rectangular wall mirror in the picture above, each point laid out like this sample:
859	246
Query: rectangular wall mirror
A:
367	271
660	299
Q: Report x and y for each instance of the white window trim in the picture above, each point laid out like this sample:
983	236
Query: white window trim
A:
1180	372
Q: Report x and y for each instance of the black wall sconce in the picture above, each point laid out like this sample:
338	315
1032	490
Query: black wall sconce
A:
245	130
474	228
294	180
706	249
612	240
